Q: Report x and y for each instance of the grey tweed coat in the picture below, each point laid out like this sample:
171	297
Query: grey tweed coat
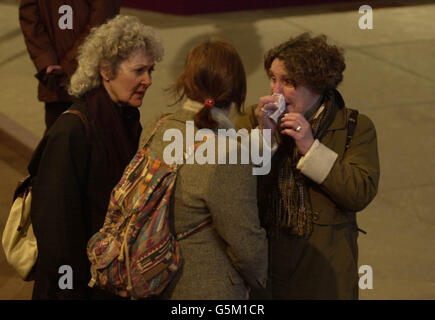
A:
224	259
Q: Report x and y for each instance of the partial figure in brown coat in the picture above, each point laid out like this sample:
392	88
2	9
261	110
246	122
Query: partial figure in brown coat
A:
325	168
53	42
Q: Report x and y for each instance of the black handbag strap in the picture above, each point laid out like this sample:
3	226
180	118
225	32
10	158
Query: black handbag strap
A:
83	118
37	154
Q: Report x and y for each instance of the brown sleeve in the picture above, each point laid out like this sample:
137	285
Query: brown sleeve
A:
353	180
35	35
101	10
246	119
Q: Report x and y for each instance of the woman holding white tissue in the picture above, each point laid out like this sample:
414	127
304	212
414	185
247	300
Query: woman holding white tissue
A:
325	168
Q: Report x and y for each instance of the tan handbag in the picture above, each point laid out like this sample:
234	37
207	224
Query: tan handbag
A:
19	241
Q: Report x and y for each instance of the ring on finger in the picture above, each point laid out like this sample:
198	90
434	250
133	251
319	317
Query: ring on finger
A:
298	128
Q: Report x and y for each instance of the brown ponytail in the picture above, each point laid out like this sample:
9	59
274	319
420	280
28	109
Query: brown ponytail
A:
215	71
204	119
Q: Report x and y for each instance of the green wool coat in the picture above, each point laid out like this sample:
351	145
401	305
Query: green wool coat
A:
325	266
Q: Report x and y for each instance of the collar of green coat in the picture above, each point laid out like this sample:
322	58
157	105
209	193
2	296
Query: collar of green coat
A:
339	121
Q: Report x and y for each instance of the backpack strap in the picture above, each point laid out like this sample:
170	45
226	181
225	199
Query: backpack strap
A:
191	150
183	235
351	125
159	123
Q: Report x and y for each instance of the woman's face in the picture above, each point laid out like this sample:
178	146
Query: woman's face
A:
298	99
132	79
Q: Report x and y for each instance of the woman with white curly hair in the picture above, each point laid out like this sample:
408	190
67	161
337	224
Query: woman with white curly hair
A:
80	159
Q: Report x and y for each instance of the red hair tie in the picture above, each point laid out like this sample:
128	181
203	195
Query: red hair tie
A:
209	103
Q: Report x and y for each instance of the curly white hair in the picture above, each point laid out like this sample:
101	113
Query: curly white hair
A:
107	46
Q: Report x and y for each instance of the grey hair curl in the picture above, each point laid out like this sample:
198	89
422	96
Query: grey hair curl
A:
107	46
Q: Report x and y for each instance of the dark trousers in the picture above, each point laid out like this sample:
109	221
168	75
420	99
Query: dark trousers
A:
53	110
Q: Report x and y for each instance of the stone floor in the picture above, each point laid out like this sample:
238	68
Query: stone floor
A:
389	77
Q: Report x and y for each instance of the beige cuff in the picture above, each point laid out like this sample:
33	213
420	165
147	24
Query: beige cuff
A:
317	162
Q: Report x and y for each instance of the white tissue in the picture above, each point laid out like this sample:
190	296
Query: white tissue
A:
275	114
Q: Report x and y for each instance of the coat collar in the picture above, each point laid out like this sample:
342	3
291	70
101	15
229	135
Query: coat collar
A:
333	97
339	121
192	105
190	108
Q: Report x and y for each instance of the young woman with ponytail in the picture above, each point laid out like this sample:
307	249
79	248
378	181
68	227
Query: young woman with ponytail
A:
229	256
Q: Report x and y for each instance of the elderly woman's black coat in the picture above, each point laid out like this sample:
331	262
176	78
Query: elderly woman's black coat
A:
76	173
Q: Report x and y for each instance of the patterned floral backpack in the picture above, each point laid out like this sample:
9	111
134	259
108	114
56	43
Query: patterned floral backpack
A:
135	254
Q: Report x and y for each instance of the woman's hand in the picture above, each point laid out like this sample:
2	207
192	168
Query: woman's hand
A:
296	126
266	103
52	67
